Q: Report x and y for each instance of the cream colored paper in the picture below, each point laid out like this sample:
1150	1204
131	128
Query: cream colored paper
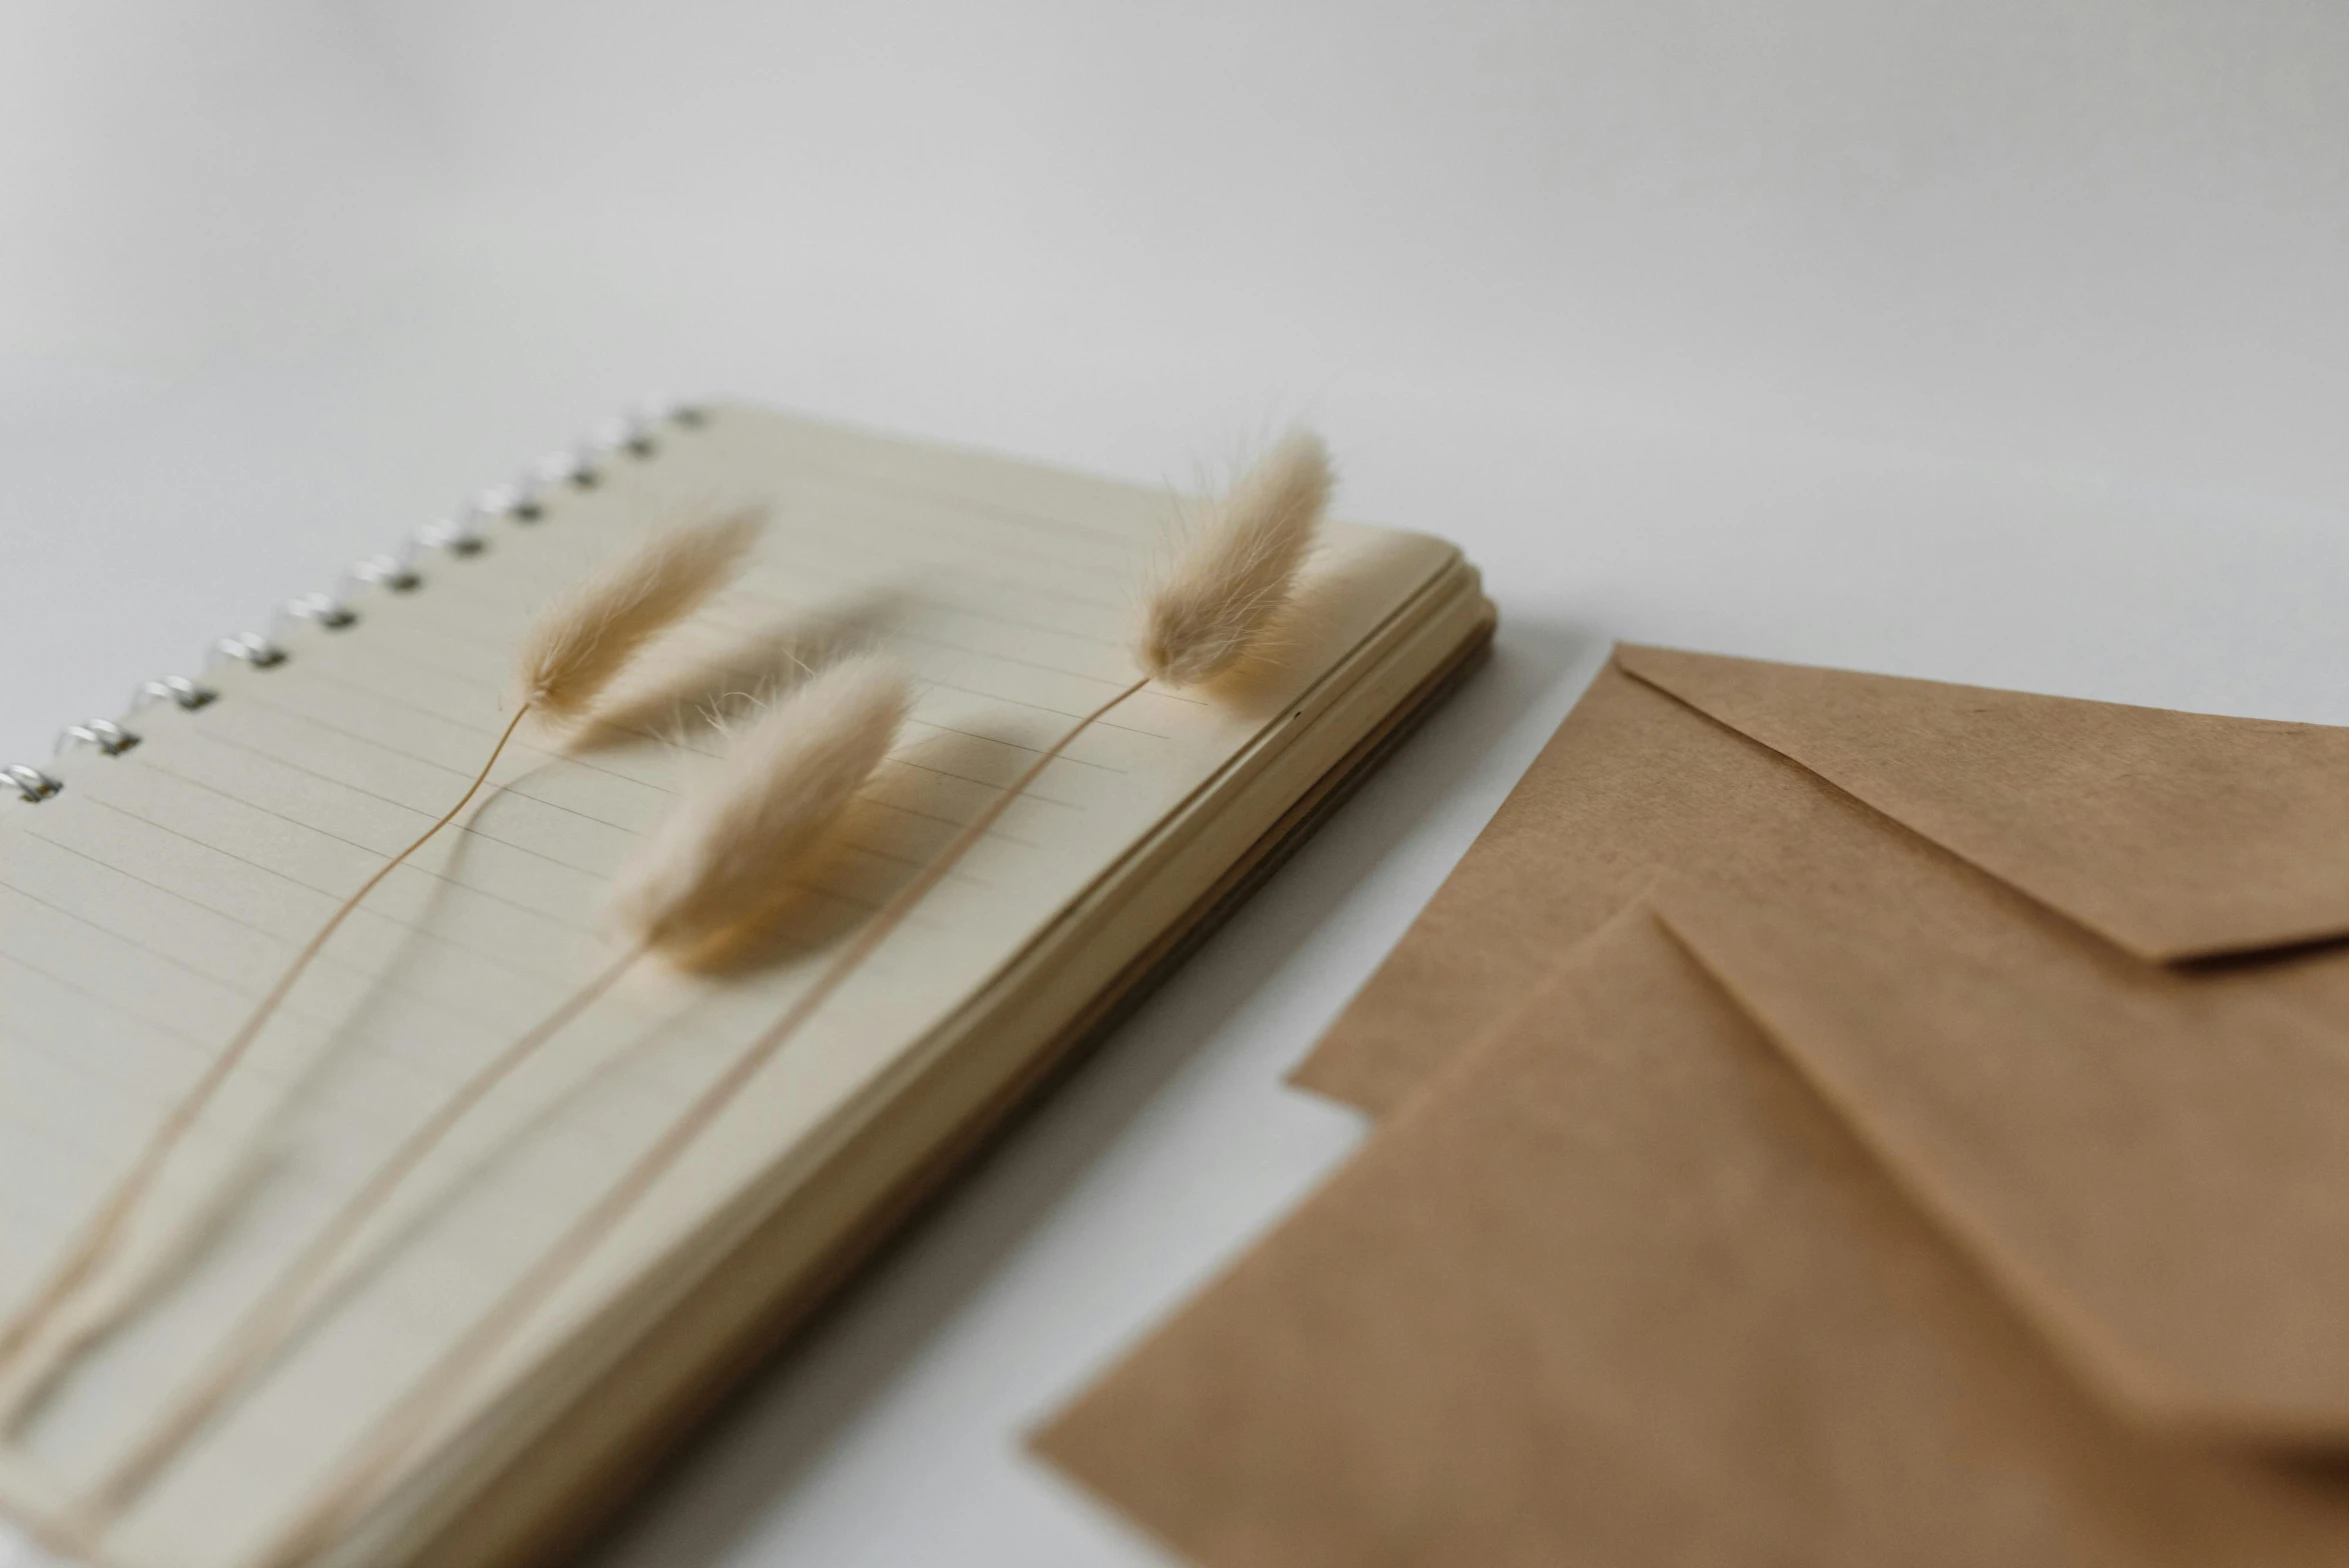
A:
141	910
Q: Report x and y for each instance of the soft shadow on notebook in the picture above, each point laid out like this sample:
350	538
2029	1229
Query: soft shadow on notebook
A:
804	920
1307	633
806	917
812	914
418	1216
704	674
257	1183
783	1422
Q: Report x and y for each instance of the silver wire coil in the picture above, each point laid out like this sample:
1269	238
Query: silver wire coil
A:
634	434
321	609
108	737
30	782
177	690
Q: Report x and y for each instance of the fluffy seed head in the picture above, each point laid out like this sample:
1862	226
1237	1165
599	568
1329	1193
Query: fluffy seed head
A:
1235	577
718	862
586	638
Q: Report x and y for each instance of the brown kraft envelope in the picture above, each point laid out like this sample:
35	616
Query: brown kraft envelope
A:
1946	905
1618	1289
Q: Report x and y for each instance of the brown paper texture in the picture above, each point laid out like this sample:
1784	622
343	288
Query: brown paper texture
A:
2152	1161
1633	781
1618	1288
2175	835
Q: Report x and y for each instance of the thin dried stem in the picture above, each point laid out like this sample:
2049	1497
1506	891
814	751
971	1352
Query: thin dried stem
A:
710	868
1214	612
94	1315
105	1227
270	1320
571	653
396	1436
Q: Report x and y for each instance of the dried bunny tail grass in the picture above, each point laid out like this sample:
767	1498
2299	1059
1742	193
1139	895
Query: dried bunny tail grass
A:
1235	579
1218	607
396	1435
95	1243
585	639
572	652
713	865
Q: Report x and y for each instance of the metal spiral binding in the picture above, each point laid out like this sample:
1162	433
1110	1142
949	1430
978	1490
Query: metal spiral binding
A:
110	738
636	434
30	782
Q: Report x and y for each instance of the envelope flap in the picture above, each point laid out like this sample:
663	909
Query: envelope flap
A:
2175	835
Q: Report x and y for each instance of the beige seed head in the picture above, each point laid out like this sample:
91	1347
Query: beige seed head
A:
585	639
719	860
1237	575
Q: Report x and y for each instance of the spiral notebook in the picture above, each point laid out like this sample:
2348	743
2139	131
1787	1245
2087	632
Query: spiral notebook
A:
158	874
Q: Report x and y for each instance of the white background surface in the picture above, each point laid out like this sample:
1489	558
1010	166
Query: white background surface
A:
1996	341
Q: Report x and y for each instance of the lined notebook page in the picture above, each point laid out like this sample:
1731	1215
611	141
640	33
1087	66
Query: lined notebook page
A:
144	910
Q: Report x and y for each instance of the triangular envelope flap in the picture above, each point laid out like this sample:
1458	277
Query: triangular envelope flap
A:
2176	835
